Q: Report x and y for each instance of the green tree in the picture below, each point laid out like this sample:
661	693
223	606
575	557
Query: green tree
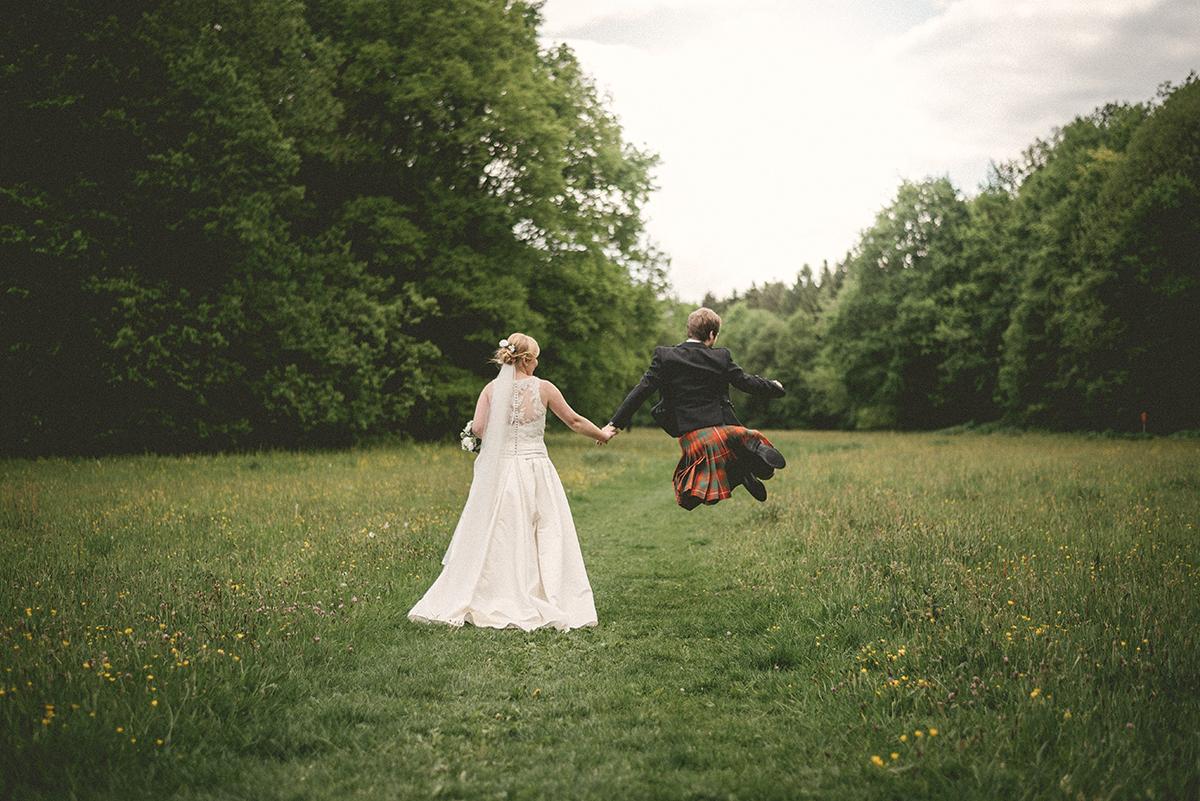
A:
169	233
271	222
1131	313
61	147
1042	380
880	364
755	337
485	174
974	310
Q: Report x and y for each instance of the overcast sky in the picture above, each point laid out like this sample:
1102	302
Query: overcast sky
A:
784	126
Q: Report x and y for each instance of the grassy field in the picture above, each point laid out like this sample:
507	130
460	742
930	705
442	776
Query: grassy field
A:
907	616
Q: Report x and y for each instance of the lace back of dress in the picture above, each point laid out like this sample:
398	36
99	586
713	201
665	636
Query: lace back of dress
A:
527	408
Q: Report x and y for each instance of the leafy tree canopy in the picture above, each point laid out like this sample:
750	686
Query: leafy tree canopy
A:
1058	296
276	223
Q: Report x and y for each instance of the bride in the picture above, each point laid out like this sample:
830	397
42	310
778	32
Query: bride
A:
514	560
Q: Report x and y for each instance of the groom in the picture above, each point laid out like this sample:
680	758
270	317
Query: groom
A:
692	380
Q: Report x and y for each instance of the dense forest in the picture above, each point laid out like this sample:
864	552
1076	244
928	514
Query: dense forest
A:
1064	295
284	224
230	225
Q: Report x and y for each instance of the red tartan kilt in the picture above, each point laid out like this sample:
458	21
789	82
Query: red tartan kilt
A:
703	472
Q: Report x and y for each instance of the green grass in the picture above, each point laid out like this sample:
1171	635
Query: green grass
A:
983	616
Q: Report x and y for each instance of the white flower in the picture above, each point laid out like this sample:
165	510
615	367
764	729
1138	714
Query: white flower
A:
467	437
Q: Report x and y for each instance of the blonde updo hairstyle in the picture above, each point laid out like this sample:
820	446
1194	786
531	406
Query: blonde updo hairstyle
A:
516	350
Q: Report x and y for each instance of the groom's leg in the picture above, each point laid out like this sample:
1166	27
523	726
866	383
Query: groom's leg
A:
760	458
739	473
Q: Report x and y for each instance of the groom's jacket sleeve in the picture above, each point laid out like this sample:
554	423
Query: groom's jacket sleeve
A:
752	384
638	395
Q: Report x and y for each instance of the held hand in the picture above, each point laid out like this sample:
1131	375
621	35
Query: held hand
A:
610	431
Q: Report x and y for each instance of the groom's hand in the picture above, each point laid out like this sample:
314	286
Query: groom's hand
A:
610	430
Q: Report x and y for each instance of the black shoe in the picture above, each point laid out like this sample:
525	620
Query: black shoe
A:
762	459
754	487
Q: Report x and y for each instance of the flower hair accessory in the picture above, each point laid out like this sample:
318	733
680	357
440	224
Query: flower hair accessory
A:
511	348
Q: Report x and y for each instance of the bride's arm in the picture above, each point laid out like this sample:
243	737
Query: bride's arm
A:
479	422
555	402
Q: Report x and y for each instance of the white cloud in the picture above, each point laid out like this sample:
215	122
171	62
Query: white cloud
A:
988	77
785	126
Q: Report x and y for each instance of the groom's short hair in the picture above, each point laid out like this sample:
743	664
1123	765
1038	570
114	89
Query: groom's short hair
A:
702	322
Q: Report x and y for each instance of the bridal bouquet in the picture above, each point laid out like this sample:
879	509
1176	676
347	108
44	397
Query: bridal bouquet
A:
470	442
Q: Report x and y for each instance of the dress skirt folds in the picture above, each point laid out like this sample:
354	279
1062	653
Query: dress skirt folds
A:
708	470
517	562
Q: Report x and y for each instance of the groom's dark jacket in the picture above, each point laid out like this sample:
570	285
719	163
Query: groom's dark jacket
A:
693	381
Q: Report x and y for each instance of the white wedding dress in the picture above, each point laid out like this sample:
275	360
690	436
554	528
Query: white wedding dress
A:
514	560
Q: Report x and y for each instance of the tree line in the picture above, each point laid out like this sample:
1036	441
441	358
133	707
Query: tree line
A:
283	223
1063	295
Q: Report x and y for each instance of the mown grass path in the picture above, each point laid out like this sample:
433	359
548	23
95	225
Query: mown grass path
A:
906	617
